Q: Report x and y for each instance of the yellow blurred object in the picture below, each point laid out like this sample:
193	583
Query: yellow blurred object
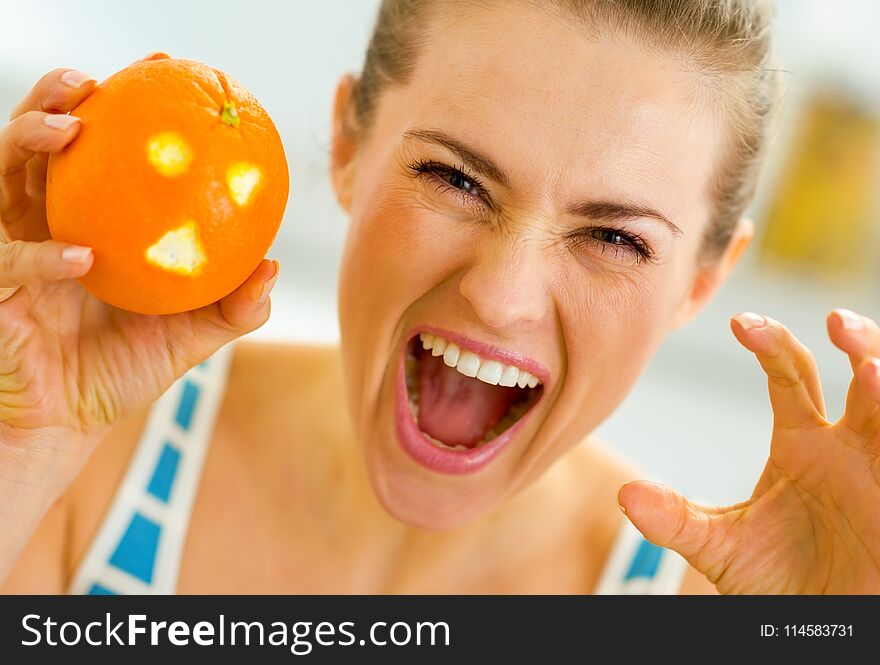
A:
824	215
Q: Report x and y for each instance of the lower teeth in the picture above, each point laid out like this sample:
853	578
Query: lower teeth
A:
514	413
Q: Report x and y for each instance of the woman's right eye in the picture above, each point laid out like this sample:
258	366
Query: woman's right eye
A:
460	181
454	180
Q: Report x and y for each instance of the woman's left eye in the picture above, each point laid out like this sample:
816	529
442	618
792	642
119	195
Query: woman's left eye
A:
623	245
611	236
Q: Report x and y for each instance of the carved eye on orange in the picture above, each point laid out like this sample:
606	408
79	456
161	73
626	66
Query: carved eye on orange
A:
242	179
169	154
177	181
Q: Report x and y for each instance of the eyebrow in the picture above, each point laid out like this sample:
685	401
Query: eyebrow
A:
474	159
615	211
609	211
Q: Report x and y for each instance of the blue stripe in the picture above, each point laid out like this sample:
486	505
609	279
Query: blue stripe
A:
646	561
136	552
98	590
187	404
163	475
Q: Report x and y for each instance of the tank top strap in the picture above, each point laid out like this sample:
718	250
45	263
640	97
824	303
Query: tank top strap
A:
638	566
138	547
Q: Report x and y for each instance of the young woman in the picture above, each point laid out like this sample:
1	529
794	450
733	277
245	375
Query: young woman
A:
538	193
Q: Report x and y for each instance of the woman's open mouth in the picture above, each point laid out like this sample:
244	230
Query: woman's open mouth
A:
458	403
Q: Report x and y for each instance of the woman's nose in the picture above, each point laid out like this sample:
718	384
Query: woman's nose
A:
506	286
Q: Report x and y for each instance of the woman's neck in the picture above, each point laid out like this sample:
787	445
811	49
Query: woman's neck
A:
308	452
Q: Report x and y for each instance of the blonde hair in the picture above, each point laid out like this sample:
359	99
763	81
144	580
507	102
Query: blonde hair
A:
727	40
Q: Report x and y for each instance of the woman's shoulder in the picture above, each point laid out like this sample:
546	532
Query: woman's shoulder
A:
612	470
262	371
606	470
282	385
264	382
573	506
275	359
267	385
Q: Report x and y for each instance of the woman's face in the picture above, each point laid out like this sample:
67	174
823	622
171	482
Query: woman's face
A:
535	198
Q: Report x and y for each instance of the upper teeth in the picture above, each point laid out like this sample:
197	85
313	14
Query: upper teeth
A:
470	364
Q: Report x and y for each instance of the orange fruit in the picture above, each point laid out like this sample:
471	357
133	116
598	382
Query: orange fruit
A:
177	181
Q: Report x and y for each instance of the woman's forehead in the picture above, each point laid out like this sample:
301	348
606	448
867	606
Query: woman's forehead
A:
526	87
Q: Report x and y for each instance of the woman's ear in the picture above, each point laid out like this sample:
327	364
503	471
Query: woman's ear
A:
708	279
344	144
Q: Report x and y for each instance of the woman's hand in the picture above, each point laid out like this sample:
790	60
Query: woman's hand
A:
812	525
71	365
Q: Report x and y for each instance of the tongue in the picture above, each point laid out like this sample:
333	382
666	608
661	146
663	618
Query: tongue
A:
456	409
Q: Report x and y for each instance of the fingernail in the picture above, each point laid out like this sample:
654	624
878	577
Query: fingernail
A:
60	121
75	79
269	284
850	320
76	254
267	289
875	365
748	320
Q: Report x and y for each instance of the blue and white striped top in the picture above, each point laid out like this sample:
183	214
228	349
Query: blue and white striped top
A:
140	543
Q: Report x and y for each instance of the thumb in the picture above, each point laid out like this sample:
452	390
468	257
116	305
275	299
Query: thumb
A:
666	518
242	311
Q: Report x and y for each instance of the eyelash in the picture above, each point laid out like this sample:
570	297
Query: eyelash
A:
635	244
438	172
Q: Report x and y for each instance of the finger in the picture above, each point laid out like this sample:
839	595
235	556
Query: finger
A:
792	376
859	337
242	311
863	402
36	176
23	263
61	90
155	55
29	134
868	376
854	334
666	518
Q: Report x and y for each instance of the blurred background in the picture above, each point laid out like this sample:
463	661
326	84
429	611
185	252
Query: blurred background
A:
699	418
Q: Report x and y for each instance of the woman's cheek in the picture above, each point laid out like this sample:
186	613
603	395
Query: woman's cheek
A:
407	246
613	308
612	324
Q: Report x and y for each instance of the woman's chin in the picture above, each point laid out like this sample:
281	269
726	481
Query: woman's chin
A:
427	500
